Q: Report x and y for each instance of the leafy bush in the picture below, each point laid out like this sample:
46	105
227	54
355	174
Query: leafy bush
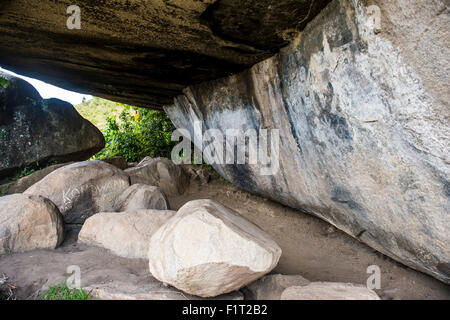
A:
97	110
135	136
4	82
63	292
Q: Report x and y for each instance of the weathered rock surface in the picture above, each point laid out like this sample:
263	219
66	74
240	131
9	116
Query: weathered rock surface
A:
364	125
82	189
271	287
24	183
29	222
329	291
126	234
151	289
161	172
144	52
36	132
207	250
118	162
141	196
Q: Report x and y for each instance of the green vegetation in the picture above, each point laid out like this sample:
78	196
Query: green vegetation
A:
26	171
4	82
4	190
98	110
63	292
130	132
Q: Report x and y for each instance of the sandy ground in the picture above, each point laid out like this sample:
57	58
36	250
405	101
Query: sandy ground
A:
311	248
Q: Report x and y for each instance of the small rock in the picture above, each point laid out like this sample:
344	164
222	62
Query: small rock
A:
151	289
160	172
329	291
126	234
271	287
82	189
141	196
29	222
207	250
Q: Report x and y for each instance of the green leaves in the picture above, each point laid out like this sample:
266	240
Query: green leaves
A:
4	82
63	292
138	133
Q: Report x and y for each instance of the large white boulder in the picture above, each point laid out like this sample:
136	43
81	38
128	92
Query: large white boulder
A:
207	250
126	234
29	222
82	189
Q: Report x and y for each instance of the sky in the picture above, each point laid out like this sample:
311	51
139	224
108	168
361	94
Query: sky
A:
49	91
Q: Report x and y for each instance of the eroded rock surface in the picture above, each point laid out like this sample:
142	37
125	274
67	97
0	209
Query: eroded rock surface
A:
24	183
29	222
82	189
36	132
144	52
364	125
141	196
126	234
207	250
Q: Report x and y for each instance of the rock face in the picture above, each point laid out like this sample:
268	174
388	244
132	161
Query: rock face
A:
208	250
141	196
329	291
82	189
24	183
126	234
364	125
28	223
36	132
161	172
271	287
144	52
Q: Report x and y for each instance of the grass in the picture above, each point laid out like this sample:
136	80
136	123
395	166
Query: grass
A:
63	292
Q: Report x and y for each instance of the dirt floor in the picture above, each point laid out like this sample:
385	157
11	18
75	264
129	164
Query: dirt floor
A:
311	248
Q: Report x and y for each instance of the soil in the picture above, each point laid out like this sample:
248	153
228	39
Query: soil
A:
311	248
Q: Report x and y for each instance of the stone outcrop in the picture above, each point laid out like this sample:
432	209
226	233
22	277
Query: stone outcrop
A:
24	183
207	250
271	287
82	189
28	223
357	95
329	291
364	125
144	52
141	196
161	172
126	234
35	132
